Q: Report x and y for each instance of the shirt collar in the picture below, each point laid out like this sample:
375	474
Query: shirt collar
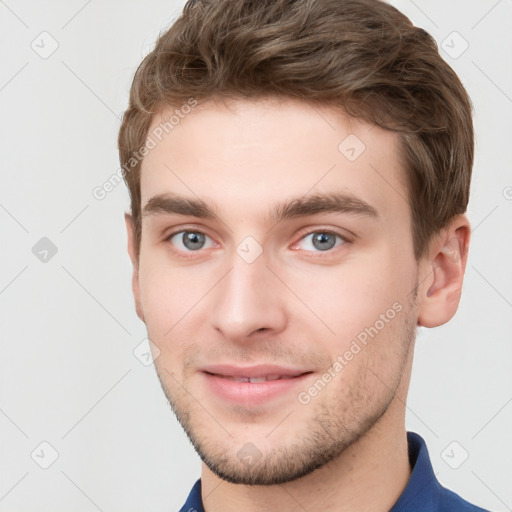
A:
422	491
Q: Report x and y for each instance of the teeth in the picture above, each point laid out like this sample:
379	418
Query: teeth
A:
259	379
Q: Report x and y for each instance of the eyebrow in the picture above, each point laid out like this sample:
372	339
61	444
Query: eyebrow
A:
314	204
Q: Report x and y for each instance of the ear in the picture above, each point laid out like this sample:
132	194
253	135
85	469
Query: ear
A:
134	257
445	266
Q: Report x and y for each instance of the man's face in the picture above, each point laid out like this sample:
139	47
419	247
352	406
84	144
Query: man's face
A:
284	332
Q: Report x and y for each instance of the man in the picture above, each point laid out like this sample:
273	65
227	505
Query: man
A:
299	173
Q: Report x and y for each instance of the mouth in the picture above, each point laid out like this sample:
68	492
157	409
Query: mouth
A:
255	373
252	385
253	380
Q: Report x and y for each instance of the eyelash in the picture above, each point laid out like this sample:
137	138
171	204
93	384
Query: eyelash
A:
326	231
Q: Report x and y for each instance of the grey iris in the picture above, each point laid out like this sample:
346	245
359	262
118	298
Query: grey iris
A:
323	241
193	240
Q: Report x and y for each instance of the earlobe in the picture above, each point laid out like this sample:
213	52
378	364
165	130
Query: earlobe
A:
446	264
134	257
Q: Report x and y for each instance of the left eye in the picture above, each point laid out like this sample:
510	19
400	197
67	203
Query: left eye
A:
321	241
190	240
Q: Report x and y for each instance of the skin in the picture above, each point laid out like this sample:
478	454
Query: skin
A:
295	305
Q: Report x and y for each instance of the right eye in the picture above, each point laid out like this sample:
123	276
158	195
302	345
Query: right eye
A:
190	241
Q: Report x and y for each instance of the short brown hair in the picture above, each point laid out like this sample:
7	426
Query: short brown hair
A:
361	55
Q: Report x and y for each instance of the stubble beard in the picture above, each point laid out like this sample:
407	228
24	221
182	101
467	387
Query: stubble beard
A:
332	427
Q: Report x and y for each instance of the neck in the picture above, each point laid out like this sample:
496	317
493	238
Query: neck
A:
369	475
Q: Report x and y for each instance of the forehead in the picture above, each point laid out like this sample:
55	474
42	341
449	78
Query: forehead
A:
239	154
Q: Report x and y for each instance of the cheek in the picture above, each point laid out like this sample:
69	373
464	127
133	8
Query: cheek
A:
174	302
165	299
165	308
166	290
353	296
156	294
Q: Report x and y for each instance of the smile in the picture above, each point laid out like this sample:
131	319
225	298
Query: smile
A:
254	385
264	378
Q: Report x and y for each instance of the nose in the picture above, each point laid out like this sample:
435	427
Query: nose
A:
249	300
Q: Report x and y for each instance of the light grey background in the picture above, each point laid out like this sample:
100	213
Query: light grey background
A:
68	374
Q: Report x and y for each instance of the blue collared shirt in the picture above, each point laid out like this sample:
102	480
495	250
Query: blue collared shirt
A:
423	493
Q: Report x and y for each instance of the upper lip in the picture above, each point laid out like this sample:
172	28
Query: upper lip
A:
260	370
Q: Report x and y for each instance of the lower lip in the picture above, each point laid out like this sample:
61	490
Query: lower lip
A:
251	393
